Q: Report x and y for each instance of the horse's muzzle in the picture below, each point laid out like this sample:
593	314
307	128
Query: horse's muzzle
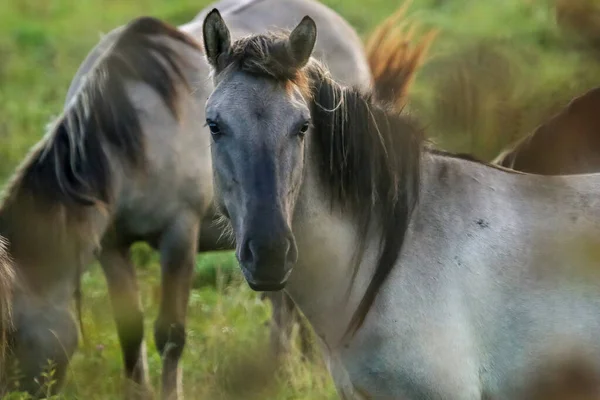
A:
267	264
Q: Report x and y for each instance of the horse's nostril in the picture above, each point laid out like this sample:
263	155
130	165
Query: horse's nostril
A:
247	252
292	250
257	252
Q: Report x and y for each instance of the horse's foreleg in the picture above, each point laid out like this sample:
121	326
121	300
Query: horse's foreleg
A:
177	250
127	309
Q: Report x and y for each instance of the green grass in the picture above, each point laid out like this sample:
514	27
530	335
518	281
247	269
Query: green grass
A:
226	350
497	69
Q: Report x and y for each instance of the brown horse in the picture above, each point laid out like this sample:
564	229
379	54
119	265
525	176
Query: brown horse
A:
568	143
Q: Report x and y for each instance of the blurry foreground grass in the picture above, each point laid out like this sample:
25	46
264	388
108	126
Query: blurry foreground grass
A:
227	352
497	69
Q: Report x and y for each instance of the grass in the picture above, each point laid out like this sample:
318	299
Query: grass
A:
497	69
226	348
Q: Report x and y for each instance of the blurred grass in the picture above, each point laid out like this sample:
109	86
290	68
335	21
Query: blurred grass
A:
496	70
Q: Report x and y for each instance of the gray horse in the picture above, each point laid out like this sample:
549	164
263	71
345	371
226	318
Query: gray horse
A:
60	204
125	162
424	274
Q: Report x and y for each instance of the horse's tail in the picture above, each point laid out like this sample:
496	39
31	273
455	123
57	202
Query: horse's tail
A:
393	57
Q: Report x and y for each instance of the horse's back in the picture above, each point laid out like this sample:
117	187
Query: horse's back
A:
338	44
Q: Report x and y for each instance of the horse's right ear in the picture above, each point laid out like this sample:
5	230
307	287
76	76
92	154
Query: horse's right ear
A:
217	40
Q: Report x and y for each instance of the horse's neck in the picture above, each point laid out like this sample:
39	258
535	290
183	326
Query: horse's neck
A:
321	283
327	241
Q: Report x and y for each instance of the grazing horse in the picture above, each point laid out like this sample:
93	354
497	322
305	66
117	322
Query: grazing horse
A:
59	207
568	143
168	218
424	274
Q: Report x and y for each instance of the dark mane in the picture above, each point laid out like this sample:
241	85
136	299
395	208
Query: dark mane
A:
263	55
71	164
370	165
369	154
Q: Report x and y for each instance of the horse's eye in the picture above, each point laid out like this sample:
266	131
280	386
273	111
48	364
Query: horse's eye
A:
304	128
214	127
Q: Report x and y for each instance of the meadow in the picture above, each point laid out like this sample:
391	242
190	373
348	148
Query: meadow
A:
495	71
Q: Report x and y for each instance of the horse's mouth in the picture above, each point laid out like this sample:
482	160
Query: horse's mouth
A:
264	285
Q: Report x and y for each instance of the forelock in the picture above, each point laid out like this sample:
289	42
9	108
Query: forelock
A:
264	55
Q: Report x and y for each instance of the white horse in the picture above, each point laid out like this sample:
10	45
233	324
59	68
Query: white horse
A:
426	275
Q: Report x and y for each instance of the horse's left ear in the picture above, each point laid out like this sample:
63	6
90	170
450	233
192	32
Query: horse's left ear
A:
302	41
217	39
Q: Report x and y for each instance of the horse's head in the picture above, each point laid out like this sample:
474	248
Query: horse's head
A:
40	331
258	116
42	339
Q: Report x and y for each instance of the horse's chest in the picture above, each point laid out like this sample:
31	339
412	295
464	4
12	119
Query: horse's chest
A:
408	370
